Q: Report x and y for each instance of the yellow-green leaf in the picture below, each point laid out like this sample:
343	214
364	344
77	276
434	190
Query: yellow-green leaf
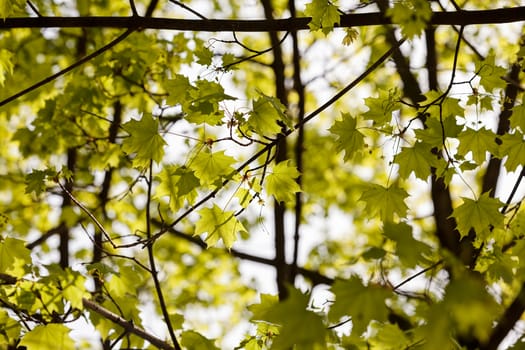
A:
385	201
281	183
13	256
324	15
478	214
48	337
210	167
218	224
349	138
6	63
144	140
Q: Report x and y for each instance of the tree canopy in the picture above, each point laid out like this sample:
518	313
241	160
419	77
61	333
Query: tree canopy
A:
262	174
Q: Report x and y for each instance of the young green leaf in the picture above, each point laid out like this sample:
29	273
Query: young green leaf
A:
380	108
385	201
478	214
179	184
268	116
324	15
362	303
194	340
280	182
410	251
218	224
417	159
210	167
300	328
491	75
13	256
513	147
411	15
144	141
478	143
349	138
51	336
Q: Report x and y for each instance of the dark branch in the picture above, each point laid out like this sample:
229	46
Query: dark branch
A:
504	15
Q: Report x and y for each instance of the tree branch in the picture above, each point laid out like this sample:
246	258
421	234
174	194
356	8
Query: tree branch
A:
504	15
127	325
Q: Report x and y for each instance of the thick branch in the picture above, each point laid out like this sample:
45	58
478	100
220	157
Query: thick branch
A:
504	15
127	325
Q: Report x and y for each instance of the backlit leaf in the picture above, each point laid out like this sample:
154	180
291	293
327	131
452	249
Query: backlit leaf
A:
385	201
210	167
513	148
324	15
362	303
280	182
478	143
349	138
144	140
13	256
6	61
218	224
417	159
478	214
48	337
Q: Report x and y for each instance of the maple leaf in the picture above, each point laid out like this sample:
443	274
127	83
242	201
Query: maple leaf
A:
324	15
513	147
144	140
300	327
380	108
412	16
13	256
436	129
210	167
193	340
362	303
517	119
478	143
480	214
179	184
349	138
491	75
178	89
218	224
409	250
281	183
417	159
51	336
385	201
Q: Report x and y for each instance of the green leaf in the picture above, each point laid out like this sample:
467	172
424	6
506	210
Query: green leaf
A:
517	119
259	310
478	214
13	256
218	224
36	180
362	303
178	89
478	143
412	15
410	251
204	55
211	167
380	108
48	337
417	159
513	148
324	15
9	330
349	138
192	340
435	131
6	61
179	184
5	9
388	337
144	141
280	182
491	75
268	116
300	328
385	201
